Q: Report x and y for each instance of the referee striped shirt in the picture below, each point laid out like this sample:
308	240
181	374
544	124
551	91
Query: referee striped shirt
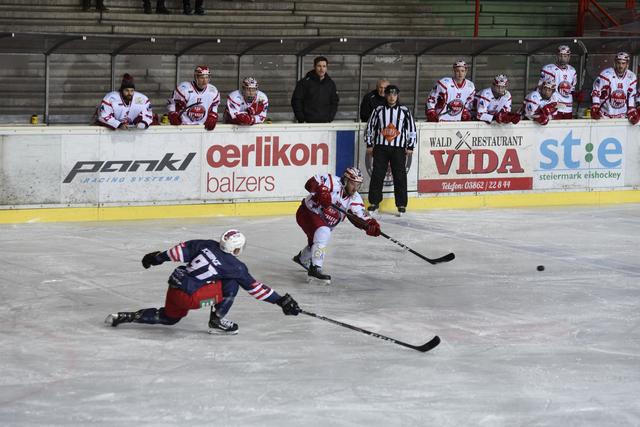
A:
391	126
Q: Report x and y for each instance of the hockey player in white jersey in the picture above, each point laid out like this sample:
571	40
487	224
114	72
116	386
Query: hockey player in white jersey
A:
493	104
317	217
541	104
451	99
196	102
564	76
247	106
614	92
124	108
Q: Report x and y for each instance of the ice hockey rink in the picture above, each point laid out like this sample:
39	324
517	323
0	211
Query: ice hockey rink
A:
519	347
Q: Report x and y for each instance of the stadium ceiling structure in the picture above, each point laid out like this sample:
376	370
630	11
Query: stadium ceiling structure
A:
49	44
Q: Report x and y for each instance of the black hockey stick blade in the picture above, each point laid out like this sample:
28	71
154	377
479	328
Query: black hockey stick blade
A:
433	343
430	345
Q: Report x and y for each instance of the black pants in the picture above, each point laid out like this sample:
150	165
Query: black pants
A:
382	157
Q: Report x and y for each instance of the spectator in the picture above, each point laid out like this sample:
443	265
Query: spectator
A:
564	76
541	104
211	275
195	102
315	98
186	7
390	137
100	6
161	9
614	92
451	99
373	99
247	106
494	103
318	215
124	108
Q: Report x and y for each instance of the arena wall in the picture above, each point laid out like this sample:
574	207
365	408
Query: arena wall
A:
89	173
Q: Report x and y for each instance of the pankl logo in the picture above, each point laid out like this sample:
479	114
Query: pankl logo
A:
265	152
567	154
111	166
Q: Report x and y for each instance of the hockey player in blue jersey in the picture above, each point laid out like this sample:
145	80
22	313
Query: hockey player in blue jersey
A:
211	276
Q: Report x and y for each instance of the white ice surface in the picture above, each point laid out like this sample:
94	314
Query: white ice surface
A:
519	347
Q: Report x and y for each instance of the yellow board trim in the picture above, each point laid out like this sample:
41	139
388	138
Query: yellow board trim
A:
10	216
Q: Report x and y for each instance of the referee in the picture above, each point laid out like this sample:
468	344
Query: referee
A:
390	137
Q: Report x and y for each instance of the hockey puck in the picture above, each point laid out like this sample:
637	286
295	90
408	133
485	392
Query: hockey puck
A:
540	268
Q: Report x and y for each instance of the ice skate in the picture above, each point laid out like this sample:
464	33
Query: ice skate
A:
218	326
315	275
401	211
297	260
114	319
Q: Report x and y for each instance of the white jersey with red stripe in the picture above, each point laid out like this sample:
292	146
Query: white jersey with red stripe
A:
236	104
614	93
448	99
339	197
534	101
113	111
566	81
197	104
487	105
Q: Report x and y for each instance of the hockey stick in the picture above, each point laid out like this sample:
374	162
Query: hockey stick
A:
430	345
446	258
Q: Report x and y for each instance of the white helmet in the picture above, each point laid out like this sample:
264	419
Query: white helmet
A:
500	83
460	63
549	82
563	55
202	70
622	56
352	173
232	242
249	83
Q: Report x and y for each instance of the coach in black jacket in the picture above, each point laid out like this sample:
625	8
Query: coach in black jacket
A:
315	99
373	99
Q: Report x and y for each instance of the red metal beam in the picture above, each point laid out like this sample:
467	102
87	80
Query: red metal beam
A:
476	21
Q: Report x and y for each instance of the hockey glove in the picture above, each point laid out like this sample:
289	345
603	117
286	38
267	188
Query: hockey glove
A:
432	116
465	116
542	118
502	117
322	196
244	119
289	305
174	118
152	258
633	116
254	111
550	109
595	112
212	120
373	228
514	118
180	106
